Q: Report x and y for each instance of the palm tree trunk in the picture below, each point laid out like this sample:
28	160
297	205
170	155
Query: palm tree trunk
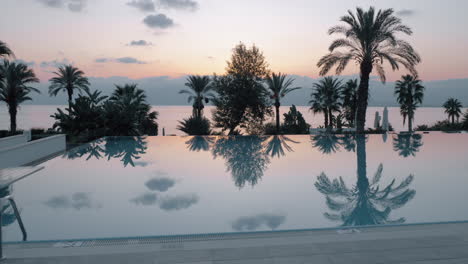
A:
363	95
12	111
453	119
410	123
330	118
69	101
362	180
325	112
277	106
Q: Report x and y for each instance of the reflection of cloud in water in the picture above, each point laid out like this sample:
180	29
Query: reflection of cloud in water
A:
142	164
160	184
76	201
145	199
178	202
251	223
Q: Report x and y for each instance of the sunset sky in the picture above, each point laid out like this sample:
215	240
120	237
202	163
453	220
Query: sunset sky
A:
144	38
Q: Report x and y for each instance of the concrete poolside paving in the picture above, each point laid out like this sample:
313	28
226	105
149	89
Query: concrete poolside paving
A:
415	244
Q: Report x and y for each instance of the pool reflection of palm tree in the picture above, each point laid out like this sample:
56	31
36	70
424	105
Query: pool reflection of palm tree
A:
326	143
199	143
407	144
366	203
127	149
245	158
276	145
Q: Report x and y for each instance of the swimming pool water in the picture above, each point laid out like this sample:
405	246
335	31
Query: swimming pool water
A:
137	186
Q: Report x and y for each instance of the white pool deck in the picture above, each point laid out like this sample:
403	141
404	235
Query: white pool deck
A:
421	244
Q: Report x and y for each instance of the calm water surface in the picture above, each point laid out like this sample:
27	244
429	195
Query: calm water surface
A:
127	187
32	116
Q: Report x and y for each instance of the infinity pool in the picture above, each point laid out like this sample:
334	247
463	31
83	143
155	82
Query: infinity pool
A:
155	186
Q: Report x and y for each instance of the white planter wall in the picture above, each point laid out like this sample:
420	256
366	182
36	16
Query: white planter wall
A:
27	152
7	142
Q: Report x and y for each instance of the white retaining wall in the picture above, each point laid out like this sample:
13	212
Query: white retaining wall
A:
7	142
24	153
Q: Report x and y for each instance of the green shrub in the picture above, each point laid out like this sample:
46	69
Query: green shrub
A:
294	122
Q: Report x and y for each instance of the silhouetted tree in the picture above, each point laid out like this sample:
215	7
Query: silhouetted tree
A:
410	94
242	100
245	158
453	109
294	123
127	113
349	94
326	98
366	203
407	145
5	51
279	85
200	91
14	87
69	79
369	40
195	126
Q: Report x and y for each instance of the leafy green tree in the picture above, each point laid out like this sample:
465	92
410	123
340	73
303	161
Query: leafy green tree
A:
407	145
241	97
68	79
245	158
369	39
5	51
294	122
367	203
195	126
326	98
349	95
279	85
453	109
14	87
410	94
200	91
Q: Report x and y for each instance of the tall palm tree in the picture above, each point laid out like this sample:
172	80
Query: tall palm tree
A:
410	94
5	51
369	40
349	94
326	98
279	86
14	88
453	109
68	79
200	91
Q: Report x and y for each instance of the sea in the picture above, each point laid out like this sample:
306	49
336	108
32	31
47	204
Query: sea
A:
38	116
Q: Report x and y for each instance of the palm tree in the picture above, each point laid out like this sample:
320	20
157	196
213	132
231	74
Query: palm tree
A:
410	93
200	91
326	98
453	109
68	79
279	86
14	88
369	40
5	51
349	94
